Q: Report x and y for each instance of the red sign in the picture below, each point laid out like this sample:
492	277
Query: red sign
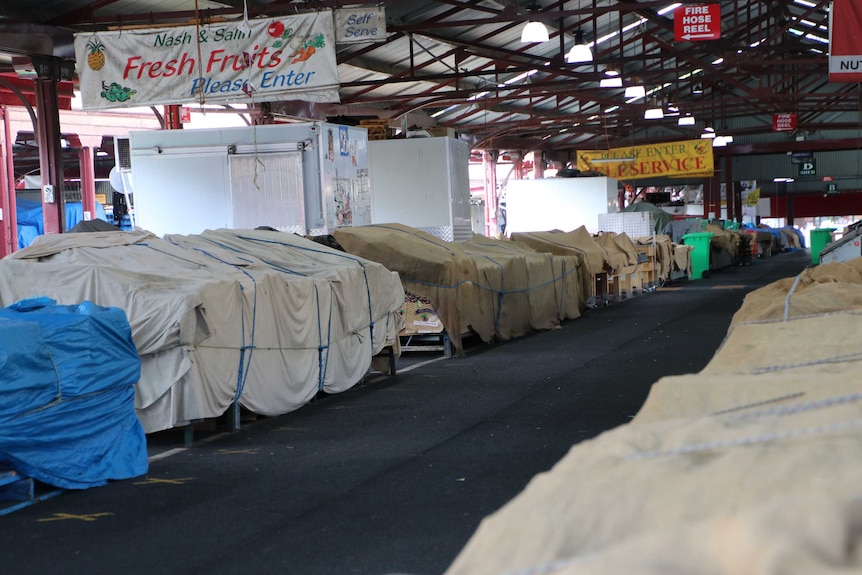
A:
697	23
845	41
783	122
185	115
827	178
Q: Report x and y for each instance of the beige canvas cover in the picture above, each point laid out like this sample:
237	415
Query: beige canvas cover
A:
727	240
621	251
578	242
749	467
264	318
664	253
534	290
496	289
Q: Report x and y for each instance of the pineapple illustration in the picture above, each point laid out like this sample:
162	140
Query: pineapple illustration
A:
96	57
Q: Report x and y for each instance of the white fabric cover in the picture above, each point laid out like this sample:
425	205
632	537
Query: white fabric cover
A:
265	317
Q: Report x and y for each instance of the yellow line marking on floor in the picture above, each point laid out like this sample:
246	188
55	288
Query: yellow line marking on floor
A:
157	480
238	451
730	287
89	518
670	288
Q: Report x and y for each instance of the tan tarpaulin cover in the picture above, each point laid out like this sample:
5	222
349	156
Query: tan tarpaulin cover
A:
484	287
579	243
267	317
749	467
825	288
535	290
664	256
682	258
622	254
576	242
727	240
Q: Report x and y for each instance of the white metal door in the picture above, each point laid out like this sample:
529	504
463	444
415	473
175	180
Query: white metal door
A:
266	190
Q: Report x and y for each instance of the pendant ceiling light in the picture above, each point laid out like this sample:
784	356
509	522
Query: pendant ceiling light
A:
534	31
580	52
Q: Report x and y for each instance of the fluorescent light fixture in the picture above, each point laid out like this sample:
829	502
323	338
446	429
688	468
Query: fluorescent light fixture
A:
634	25
687	120
611	71
719	142
625	160
697	89
667	9
635	92
580	52
534	32
707	135
784	180
653	114
709	129
439	113
616	82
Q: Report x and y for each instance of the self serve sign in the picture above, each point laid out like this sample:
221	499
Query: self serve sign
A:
697	23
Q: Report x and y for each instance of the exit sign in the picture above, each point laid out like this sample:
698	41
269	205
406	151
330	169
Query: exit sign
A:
697	23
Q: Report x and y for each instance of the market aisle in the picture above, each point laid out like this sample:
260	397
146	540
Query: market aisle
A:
393	476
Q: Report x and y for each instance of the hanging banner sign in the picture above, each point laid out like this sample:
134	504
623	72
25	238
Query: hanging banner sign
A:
783	122
845	41
360	25
753	197
686	158
264	60
697	23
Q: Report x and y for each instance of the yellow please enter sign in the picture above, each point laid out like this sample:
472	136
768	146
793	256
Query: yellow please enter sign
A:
686	158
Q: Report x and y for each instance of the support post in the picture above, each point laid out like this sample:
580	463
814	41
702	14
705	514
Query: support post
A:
88	182
6	191
733	208
50	155
9	181
712	196
489	161
538	166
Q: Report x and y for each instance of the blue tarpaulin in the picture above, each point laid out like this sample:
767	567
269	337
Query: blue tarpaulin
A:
67	377
31	224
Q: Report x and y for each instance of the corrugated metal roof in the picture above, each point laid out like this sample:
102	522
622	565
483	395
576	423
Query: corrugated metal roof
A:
462	62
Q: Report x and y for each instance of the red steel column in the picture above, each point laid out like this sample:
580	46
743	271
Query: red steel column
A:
50	153
88	181
538	166
5	191
518	172
9	181
489	161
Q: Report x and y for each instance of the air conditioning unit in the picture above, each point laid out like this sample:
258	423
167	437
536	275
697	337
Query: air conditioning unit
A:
121	174
122	154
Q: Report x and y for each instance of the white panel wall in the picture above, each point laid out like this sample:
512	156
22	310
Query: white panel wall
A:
423	183
559	203
182	193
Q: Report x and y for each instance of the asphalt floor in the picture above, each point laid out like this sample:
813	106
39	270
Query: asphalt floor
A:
394	475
